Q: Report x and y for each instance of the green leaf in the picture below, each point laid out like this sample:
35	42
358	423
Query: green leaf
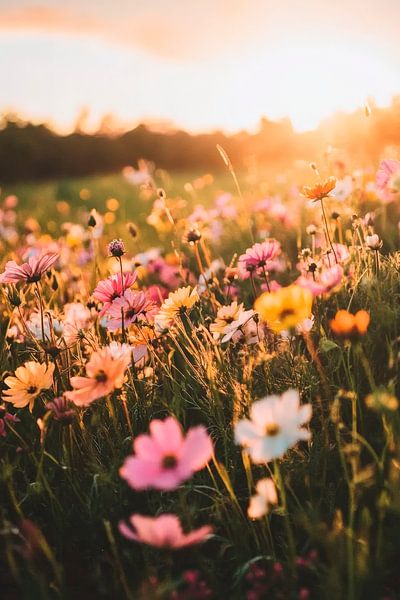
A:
326	345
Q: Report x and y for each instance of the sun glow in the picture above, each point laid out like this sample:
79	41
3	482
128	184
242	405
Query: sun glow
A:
305	76
309	80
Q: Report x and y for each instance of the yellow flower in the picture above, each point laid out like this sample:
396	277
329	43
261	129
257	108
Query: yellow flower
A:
177	303
285	308
30	379
320	190
225	316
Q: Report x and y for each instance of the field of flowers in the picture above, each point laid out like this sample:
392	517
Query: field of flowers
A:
200	385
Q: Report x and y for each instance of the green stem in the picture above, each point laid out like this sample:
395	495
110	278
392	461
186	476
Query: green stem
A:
288	526
122	310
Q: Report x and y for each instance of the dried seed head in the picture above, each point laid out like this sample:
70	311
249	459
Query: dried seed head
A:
116	248
192	236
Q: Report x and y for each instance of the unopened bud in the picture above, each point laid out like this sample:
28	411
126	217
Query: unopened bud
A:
131	227
92	221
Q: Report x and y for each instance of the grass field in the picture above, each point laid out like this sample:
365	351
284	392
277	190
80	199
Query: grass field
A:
230	367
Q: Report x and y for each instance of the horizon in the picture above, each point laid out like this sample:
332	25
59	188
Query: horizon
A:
110	124
218	66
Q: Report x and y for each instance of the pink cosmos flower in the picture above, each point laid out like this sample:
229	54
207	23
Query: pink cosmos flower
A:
272	286
388	180
157	293
342	255
112	288
331	278
164	531
165	458
31	271
260	257
105	372
384	175
309	283
134	305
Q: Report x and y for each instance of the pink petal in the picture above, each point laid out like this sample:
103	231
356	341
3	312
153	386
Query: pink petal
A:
197	536
197	448
140	474
167	434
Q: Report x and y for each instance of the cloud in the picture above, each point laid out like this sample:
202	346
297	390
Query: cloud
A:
170	30
195	31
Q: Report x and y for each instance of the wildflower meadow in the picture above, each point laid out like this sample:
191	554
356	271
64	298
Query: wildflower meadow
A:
199	394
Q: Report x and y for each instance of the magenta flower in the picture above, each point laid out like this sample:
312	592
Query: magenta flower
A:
31	271
61	410
112	288
164	531
260	258
6	417
134	305
165	458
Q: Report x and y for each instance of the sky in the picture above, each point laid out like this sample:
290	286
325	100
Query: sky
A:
199	64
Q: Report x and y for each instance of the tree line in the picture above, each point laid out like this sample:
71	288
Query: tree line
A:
30	151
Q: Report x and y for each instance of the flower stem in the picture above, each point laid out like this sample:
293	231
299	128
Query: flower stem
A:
41	315
328	237
288	526
122	309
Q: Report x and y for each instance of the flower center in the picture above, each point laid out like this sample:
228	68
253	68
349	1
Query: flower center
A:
32	389
287	312
272	429
101	376
169	461
33	278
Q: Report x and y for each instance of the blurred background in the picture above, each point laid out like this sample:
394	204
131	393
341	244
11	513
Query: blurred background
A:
90	87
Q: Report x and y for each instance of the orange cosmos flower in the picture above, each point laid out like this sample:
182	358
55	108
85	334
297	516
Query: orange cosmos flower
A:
349	326
320	190
30	379
105	372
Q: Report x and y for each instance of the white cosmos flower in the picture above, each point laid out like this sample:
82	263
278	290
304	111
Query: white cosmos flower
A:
344	188
118	350
266	495
275	425
237	325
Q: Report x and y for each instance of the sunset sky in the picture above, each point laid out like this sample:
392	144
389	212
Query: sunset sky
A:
202	64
